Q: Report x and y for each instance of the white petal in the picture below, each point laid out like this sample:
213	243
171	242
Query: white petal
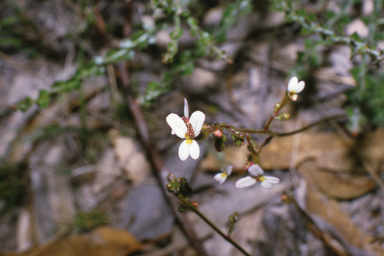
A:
177	125
266	184
272	179
184	150
194	150
197	120
220	177
173	132
245	182
229	169
300	86
255	170
186	108
293	84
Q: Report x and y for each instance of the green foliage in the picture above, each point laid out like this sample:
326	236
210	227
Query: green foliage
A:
175	11
366	98
231	17
372	104
330	37
86	221
182	66
53	131
13	184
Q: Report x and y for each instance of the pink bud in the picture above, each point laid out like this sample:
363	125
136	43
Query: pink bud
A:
218	133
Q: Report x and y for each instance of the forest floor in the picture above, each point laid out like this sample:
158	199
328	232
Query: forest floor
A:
76	177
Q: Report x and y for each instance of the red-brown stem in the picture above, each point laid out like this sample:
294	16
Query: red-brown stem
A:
152	153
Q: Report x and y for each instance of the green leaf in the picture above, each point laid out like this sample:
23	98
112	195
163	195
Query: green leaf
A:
11	42
355	37
187	69
66	86
25	104
43	99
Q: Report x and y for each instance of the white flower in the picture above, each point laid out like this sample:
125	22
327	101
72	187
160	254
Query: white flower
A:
221	177
256	174
188	129
294	87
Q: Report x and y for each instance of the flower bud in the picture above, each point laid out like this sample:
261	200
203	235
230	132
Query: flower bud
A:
195	204
182	208
283	116
171	177
169	187
239	143
239	135
219	143
185	189
277	106
218	133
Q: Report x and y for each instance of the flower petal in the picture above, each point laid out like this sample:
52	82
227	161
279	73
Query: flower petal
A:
229	169
194	150
255	170
272	179
266	184
184	150
300	86
292	85
186	108
177	125
220	177
197	120
245	182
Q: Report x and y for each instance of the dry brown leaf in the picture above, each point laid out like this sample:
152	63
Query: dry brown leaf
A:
233	155
131	158
327	148
325	160
338	185
103	241
330	211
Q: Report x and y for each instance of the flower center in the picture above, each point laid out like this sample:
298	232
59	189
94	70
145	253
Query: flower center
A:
190	134
260	178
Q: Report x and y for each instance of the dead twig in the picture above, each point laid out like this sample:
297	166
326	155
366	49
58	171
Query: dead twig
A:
159	171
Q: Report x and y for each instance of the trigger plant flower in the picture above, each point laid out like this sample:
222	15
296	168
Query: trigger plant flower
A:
222	176
188	129
294	87
256	174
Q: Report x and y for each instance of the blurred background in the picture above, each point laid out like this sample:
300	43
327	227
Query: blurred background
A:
85	87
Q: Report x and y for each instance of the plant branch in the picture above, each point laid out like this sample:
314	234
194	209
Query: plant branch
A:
154	156
276	134
213	226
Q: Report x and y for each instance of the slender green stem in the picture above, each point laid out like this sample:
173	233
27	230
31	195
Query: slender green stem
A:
213	226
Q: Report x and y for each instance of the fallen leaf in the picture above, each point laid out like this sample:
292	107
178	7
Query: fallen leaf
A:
338	185
131	158
330	211
103	241
325	160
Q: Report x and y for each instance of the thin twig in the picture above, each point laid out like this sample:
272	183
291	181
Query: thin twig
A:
213	226
154	156
276	134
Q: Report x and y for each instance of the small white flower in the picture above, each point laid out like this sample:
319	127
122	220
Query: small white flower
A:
188	129
256	174
294	87
221	177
